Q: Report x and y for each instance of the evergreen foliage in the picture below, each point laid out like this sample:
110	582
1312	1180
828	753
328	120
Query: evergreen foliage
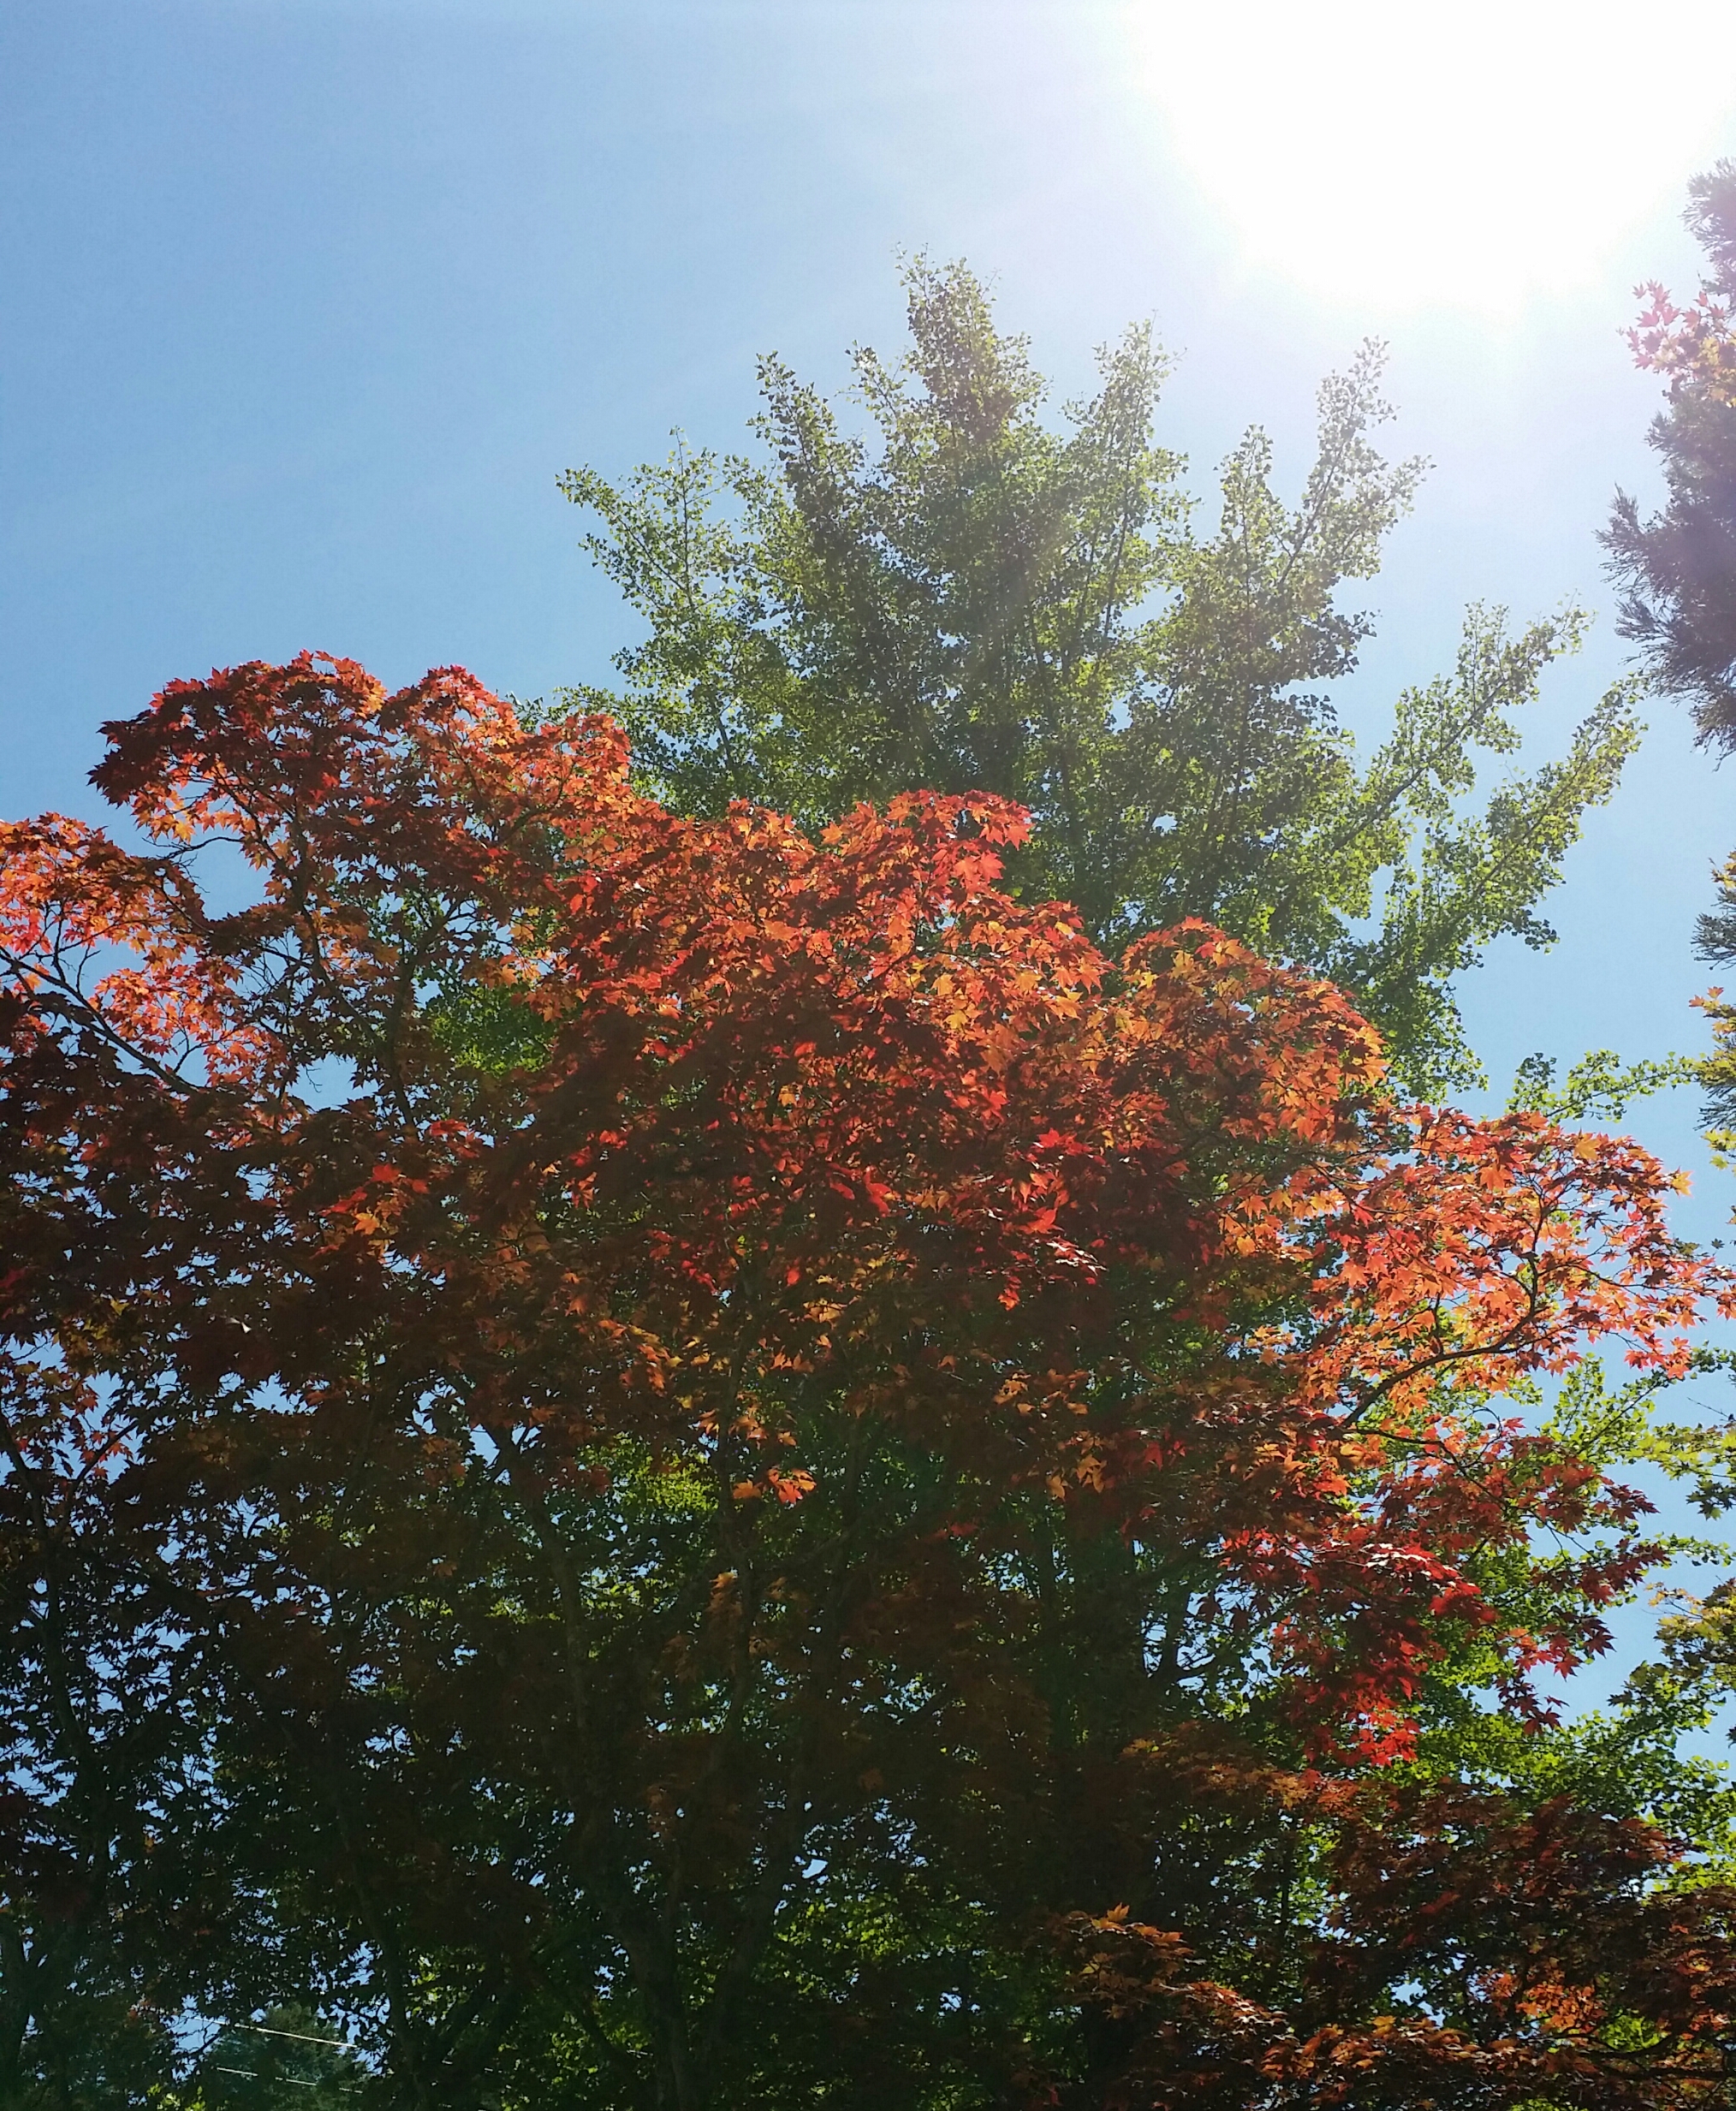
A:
1677	568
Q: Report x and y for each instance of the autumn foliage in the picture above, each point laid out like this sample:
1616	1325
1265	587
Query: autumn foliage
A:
1691	347
728	1464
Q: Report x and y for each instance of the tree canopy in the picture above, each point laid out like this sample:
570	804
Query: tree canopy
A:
1677	567
968	599
682	1461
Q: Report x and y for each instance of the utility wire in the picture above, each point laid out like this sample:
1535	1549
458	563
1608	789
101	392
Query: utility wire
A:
301	2037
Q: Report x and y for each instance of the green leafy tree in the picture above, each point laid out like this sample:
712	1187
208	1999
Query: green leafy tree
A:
105	1748
971	599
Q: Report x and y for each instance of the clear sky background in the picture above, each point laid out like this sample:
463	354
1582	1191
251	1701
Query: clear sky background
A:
304	305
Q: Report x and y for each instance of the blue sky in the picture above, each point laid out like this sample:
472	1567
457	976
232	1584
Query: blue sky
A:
307	304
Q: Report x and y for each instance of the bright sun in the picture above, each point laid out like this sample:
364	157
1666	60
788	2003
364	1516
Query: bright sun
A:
1471	154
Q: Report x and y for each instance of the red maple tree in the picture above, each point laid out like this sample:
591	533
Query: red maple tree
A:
756	1454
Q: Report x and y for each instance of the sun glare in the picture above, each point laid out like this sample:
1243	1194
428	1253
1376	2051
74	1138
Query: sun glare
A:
1383	151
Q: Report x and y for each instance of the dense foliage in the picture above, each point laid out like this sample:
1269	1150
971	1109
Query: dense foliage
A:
1677	567
676	1461
980	603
